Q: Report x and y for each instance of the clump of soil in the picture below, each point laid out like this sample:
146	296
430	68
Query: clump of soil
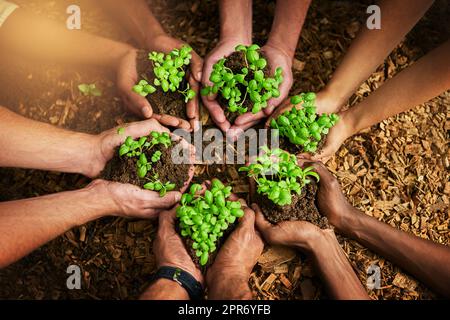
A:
123	169
171	103
236	61
302	208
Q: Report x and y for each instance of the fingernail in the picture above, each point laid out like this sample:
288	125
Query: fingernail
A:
199	76
146	112
177	197
254	207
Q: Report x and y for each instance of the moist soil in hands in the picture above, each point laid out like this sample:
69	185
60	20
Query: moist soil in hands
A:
170	103
302	208
123	169
236	61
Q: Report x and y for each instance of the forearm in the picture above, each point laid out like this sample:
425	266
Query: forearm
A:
30	144
424	259
236	20
137	19
40	38
424	80
27	224
370	47
335	269
287	25
229	287
165	289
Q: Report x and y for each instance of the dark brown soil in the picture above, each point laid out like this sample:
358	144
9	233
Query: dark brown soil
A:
303	208
236	61
124	169
171	103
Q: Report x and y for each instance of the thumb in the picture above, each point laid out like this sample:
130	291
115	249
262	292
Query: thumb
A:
262	224
196	67
166	202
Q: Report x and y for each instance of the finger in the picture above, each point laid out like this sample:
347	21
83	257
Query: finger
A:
217	114
249	117
262	224
196	67
172	121
192	109
154	201
244	127
284	91
268	110
207	69
248	220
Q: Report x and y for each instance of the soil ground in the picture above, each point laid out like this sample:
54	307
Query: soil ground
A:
396	171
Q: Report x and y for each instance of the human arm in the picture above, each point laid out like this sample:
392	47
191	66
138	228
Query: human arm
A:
138	20
427	261
322	245
280	49
424	80
170	252
369	49
28	224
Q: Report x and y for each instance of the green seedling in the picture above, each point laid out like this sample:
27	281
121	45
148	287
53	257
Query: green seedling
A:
138	149
205	218
278	175
301	125
250	83
89	90
169	71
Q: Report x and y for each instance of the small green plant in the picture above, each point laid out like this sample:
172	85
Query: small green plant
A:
285	176
302	126
169	72
204	218
89	90
138	148
249	83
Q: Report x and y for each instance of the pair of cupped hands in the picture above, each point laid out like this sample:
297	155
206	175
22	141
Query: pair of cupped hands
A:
198	75
237	257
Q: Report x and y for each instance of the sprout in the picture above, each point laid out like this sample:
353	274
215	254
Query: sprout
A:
237	87
302	126
204	218
169	72
287	176
138	149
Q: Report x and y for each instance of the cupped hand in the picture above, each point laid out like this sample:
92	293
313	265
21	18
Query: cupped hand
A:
240	252
223	49
126	78
169	248
165	43
331	201
300	234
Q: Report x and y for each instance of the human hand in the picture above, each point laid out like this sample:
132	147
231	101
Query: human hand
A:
169	248
276	57
331	200
299	234
224	48
165	43
105	143
127	77
229	274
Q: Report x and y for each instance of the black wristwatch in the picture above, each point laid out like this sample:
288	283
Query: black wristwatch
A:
183	278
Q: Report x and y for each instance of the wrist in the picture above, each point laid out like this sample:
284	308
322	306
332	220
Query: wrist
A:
102	199
323	244
228	286
165	289
83	154
282	46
